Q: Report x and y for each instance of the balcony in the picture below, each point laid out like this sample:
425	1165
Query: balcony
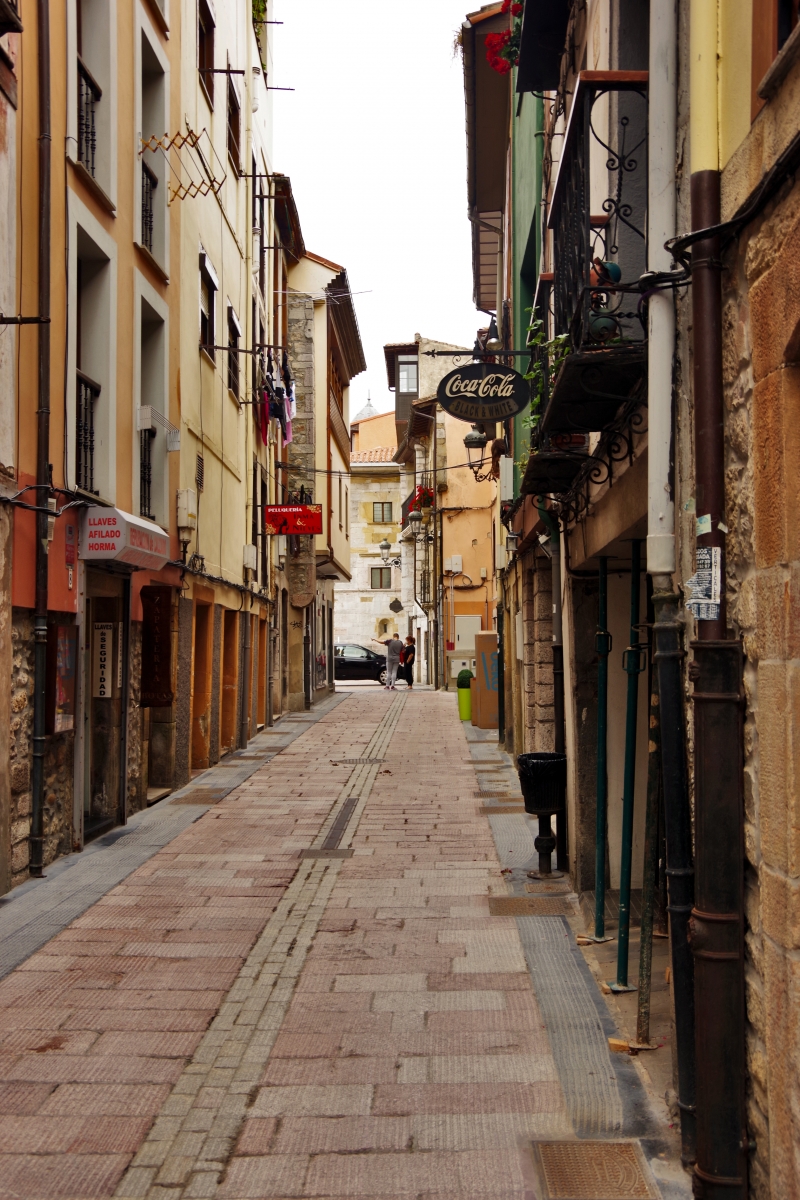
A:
89	93
421	497
87	393
598	216
149	185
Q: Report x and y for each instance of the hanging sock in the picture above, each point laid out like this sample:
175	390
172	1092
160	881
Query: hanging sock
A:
293	402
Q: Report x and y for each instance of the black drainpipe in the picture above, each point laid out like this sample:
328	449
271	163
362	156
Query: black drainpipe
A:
717	922
42	445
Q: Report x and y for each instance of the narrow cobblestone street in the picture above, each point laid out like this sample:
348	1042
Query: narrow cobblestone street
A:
312	990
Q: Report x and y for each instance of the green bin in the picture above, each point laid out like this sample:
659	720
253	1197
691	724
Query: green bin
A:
464	703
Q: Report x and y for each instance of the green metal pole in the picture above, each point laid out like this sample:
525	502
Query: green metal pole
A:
603	644
631	664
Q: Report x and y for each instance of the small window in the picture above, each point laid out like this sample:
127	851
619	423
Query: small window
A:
234	127
382	513
234	333
208	289
205	49
407	379
381	578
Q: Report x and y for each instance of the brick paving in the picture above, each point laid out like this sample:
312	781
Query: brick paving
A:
235	1020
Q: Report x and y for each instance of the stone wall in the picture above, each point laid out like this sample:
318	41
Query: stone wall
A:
762	391
537	620
301	357
58	762
138	731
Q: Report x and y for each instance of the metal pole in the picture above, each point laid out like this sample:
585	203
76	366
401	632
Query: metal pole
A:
669	653
42	445
603	645
631	665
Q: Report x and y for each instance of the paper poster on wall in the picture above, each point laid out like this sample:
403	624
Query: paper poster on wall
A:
103	660
62	657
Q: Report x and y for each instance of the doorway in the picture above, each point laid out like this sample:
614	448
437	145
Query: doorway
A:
230	681
104	689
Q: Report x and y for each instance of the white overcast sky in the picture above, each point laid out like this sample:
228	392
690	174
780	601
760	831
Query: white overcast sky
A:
373	139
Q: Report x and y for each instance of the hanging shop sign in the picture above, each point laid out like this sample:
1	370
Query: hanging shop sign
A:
483	392
156	647
110	535
292	518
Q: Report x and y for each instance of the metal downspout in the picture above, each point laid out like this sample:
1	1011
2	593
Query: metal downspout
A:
632	665
661	564
603	646
717	922
42	443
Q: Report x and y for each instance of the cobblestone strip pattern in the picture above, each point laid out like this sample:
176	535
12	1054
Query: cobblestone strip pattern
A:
194	1134
97	1026
38	910
412	1061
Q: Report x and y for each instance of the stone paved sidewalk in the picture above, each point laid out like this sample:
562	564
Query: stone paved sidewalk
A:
303	995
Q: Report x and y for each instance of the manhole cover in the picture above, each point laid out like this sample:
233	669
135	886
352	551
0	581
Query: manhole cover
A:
593	1171
528	906
200	796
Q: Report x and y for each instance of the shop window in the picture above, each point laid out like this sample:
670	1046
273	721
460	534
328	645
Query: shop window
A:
205	49
382	513
381	578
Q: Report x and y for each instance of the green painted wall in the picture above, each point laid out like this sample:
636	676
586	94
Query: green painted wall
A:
526	182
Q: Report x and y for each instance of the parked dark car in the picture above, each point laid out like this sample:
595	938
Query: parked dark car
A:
357	662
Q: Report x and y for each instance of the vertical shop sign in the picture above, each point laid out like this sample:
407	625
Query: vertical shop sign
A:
156	647
103	660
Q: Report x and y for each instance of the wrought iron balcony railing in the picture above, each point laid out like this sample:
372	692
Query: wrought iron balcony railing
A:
87	393
599	209
89	93
595	321
149	185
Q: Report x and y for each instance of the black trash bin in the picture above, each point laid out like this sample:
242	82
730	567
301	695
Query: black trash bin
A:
543	779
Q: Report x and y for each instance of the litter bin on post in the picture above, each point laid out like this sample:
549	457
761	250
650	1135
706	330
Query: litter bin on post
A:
543	780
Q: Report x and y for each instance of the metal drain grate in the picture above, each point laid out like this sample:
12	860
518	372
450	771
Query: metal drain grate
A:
491	810
498	793
326	853
201	796
538	889
529	906
593	1171
353	762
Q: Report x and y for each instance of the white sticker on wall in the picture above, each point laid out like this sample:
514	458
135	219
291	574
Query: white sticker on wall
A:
703	524
706	584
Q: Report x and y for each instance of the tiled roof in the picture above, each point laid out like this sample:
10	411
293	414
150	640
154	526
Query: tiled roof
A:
376	454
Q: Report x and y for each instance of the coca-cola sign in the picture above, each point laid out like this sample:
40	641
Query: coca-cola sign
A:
483	392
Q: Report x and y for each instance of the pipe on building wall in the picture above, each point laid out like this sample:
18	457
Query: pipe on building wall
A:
716	927
661	562
42	443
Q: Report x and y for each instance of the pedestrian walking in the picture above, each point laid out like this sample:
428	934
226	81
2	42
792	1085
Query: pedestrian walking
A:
409	654
393	648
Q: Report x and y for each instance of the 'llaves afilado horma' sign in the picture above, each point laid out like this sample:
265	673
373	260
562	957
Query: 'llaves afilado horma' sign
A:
483	392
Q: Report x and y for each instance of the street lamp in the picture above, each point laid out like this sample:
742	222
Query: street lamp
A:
475	444
386	551
493	342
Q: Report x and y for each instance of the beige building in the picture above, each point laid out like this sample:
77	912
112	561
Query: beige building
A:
363	615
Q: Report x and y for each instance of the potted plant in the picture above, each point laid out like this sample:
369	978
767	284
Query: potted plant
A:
423	502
